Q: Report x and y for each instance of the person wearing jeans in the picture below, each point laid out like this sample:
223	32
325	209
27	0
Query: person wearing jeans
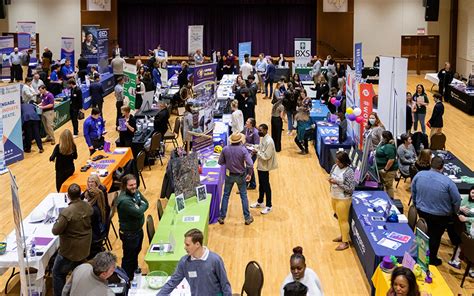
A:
131	206
267	161
421	101
31	126
269	78
239	169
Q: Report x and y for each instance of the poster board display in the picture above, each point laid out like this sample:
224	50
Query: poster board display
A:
11	120
195	38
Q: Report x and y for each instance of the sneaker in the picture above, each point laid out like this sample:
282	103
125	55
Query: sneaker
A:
454	263
266	210
41	150
75	136
302	152
249	221
471	272
257	205
220	220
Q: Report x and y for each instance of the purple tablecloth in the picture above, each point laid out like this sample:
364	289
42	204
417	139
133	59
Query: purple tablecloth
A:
214	187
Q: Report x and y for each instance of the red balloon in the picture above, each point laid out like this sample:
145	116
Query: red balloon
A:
359	119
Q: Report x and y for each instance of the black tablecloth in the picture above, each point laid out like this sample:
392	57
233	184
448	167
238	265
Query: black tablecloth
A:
460	99
139	140
465	171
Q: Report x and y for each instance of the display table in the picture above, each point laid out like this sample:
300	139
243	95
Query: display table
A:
45	241
319	111
282	72
107	81
454	166
183	289
327	143
366	233
381	282
459	97
172	223
139	140
433	78
114	160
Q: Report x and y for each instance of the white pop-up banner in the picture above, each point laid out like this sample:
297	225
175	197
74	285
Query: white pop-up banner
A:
302	52
195	38
392	94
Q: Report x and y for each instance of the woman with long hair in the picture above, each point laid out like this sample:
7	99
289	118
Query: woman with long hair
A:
423	163
99	220
64	153
375	128
421	101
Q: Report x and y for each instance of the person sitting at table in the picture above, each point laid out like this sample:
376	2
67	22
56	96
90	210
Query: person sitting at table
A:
94	129
251	138
203	269
99	220
301	273
67	70
322	90
406	154
375	128
436	198
237	118
74	229
64	154
385	159
90	278
403	283
466	215
127	127
31	127
342	183
198	57
423	162
161	121
97	93
303	131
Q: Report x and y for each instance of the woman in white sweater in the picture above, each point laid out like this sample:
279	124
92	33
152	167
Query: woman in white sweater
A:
301	273
237	121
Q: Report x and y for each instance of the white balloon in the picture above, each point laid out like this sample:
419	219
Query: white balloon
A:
357	111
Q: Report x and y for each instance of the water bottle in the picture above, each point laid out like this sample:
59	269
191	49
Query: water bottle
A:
137	277
162	248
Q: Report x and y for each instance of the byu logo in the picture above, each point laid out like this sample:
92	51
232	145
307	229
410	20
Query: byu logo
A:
302	45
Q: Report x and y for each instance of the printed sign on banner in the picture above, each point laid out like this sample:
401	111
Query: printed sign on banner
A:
11	117
89	43
3	167
195	38
30	28
244	48
302	52
67	49
130	84
358	60
366	95
6	47
103	50
203	73
24	42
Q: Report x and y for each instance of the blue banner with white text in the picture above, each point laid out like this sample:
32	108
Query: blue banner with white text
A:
103	50
244	48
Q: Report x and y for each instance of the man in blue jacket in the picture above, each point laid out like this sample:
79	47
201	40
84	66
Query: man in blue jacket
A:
269	78
94	129
31	127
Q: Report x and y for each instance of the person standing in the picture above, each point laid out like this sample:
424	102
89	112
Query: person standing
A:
91	278
161	120
183	75
445	77
269	78
342	183
421	101
386	161
64	153
15	66
436	121
31	127
246	68
203	269
267	161
239	167
119	97
375	128
127	128
74	229
100	218
251	139
118	64
156	75
410	112
47	115
25	63
437	199
248	105
94	129
278	111
28	93
260	68
46	60
252	87
237	118
131	206
198	57
117	51
76	105
139	93
82	64
316	71
303	131
229	62
290	102
37	82
97	93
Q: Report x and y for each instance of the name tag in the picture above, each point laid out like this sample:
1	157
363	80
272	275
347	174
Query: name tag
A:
192	274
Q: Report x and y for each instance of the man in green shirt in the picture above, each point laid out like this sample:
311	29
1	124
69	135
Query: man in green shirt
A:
131	206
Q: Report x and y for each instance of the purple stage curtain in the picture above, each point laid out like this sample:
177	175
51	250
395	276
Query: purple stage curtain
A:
271	27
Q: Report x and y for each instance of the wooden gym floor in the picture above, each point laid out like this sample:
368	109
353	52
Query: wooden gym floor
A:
301	215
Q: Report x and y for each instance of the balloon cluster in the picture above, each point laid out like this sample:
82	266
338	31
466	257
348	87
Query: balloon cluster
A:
335	101
354	114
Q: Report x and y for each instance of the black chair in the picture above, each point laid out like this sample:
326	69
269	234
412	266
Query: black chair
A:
459	227
172	136
154	151
412	217
467	247
253	282
421	224
402	176
159	208
112	196
419	138
150	228
141	165
438	142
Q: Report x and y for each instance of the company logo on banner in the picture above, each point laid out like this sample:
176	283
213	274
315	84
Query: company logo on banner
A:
89	43
195	38
29	28
24	42
130	84
103	50
244	48
6	47
302	52
67	49
358	60
366	95
11	117
203	73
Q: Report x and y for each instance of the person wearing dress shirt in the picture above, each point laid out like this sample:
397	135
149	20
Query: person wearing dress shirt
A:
16	71
67	70
260	68
94	129
198	57
117	51
127	127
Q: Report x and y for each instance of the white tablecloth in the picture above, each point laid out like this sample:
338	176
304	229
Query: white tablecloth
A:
228	79
183	289
10	258
433	78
